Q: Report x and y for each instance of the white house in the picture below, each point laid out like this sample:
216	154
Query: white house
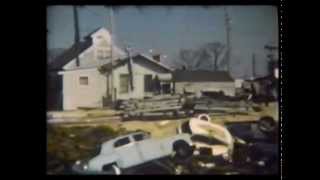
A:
144	72
86	85
199	81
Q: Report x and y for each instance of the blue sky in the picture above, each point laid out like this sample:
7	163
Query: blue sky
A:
167	30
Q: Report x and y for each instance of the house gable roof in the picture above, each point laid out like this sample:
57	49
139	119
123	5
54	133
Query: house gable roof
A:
95	31
201	76
75	50
69	54
139	59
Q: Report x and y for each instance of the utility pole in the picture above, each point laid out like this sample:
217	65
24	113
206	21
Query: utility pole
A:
272	61
128	49
113	93
228	29
76	31
253	65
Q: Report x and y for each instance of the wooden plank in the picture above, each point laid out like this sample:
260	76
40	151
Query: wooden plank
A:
88	120
161	97
151	105
172	108
175	101
157	106
221	103
160	102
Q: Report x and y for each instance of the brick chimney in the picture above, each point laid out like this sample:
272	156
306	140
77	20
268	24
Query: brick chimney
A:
157	57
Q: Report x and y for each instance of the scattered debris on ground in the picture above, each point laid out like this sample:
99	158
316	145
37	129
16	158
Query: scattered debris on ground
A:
73	135
157	106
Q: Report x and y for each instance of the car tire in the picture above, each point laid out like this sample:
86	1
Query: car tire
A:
112	168
182	149
267	124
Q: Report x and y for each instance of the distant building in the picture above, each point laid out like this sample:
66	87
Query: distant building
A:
199	81
266	86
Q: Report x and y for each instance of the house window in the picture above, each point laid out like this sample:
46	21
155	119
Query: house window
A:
124	83
148	83
84	80
166	88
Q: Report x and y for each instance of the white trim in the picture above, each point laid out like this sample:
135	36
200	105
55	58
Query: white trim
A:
151	59
76	70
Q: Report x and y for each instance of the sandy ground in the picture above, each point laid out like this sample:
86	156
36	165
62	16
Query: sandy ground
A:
158	128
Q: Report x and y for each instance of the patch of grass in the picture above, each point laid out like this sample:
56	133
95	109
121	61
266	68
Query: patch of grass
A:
67	145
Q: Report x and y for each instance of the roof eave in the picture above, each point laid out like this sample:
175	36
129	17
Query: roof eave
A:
160	64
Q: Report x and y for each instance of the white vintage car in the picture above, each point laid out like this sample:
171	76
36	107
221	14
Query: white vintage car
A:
134	149
208	137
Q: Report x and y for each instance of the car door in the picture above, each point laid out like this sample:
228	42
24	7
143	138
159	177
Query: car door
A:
145	148
151	149
127	152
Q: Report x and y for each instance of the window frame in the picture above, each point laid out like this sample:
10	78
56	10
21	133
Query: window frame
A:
148	88
81	80
121	86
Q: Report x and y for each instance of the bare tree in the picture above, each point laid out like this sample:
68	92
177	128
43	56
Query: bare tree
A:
188	57
214	49
204	57
207	53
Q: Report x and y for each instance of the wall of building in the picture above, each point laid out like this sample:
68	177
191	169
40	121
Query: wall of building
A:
91	95
76	95
227	87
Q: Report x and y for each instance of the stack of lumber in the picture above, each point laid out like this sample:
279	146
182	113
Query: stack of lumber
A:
155	106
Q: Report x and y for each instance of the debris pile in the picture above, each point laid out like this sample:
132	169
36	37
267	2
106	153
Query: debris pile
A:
157	106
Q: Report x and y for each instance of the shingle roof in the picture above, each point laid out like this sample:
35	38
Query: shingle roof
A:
201	76
136	58
94	31
69	54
